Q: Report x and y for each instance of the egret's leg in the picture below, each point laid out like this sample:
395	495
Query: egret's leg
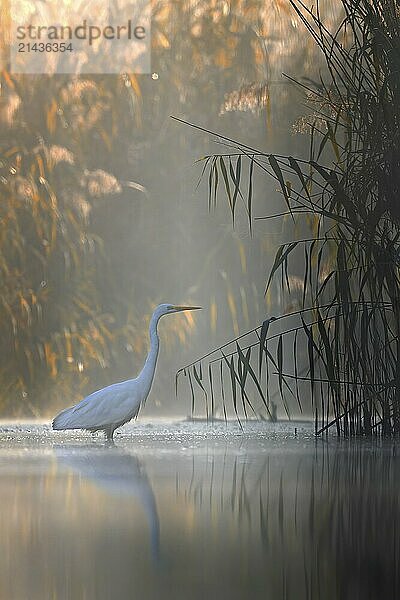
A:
109	431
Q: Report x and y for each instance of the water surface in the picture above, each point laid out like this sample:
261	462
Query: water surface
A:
183	510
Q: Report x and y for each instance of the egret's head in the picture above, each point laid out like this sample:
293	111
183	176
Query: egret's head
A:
166	309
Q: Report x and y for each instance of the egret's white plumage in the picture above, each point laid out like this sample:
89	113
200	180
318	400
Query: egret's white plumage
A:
109	408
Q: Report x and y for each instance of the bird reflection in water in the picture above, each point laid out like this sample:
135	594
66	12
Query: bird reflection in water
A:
119	474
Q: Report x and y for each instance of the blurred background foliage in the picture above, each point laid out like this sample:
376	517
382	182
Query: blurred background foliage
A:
99	221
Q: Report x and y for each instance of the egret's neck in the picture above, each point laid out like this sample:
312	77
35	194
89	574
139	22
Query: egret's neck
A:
151	361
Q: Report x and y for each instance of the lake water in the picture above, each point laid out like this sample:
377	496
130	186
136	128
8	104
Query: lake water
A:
192	510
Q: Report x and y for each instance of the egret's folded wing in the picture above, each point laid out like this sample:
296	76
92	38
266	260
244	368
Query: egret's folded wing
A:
104	407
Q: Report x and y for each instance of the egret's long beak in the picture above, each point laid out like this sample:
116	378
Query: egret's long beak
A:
179	308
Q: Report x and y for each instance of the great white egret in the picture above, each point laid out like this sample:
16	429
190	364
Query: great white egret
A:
112	406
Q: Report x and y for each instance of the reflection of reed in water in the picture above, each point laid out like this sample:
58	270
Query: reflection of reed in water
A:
118	473
222	484
328	519
356	517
